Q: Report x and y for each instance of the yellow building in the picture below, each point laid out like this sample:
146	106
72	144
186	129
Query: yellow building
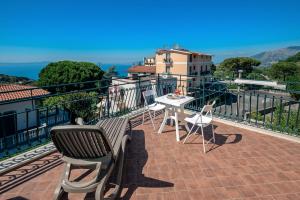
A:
185	63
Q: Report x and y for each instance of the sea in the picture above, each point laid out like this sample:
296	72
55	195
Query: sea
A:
32	70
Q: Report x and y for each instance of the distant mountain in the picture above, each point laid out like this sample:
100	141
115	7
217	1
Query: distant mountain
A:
267	58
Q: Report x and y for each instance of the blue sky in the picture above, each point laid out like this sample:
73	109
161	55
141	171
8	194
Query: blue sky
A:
119	31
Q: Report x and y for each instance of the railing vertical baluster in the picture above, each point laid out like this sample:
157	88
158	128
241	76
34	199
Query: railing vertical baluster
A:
47	115
220	107
129	98
238	105
231	102
297	118
27	127
122	106
56	113
257	101
126	104
140	96
135	100
250	103
139	79
63	113
38	124
264	118
272	113
180	80
183	90
244	99
99	107
131	91
280	113
225	109
157	85
107	101
203	88
115	103
288	117
16	130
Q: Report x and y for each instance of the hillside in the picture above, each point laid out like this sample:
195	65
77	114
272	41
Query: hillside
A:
269	57
14	79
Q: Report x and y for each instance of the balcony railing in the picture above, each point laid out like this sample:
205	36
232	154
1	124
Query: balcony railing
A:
168	61
237	103
205	73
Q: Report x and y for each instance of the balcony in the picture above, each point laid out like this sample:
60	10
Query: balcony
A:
255	156
168	61
205	73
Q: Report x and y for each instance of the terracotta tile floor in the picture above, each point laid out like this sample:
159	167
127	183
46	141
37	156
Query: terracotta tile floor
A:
241	165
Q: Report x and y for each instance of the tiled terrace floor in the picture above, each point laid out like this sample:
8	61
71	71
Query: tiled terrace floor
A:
241	165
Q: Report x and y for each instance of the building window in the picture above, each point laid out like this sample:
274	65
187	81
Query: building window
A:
194	67
191	58
190	84
206	68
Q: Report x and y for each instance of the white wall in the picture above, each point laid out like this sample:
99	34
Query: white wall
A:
20	107
132	95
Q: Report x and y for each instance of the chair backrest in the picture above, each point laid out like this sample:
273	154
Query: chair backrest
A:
149	96
213	103
81	141
207	109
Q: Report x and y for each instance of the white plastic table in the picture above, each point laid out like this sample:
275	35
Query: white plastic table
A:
175	104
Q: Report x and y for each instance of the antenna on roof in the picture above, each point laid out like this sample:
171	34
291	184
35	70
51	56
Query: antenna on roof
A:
176	46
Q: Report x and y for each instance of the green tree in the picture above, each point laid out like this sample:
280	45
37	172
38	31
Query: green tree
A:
256	74
283	70
288	70
223	73
80	104
294	58
213	68
233	65
69	72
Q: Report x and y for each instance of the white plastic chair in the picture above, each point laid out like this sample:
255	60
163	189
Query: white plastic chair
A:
151	106
202	119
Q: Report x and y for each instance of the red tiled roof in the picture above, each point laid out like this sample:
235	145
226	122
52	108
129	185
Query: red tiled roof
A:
142	69
11	95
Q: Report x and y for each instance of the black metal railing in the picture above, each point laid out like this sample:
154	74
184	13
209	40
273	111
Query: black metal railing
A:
121	96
